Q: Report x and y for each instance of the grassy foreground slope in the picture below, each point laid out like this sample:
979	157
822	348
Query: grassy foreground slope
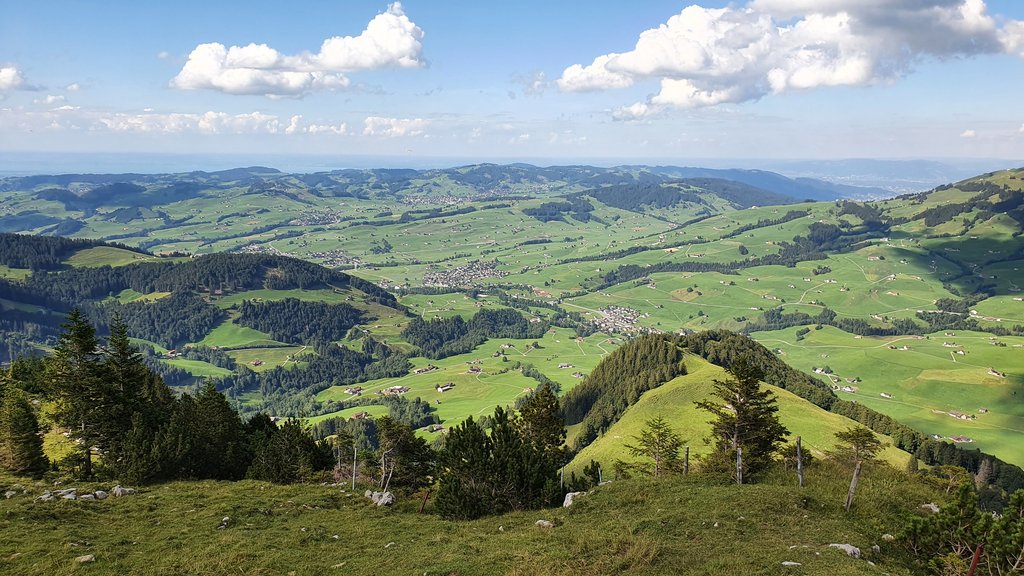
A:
671	526
674	401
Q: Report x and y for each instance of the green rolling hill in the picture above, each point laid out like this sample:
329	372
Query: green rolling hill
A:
911	303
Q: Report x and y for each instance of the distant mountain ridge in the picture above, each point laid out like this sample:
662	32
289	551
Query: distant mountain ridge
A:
496	179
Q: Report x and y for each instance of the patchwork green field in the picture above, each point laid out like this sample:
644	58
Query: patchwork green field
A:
826	285
923	382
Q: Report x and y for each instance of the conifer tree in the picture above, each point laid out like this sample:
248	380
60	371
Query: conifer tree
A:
405	459
857	444
77	385
747	418
541	423
21	446
465	472
659	443
288	454
222	451
125	376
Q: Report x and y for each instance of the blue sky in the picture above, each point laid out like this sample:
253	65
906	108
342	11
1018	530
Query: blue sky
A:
559	80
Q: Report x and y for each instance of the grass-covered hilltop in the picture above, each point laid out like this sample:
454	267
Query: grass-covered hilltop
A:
238	348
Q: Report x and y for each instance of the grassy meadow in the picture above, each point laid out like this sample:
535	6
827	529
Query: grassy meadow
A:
692	525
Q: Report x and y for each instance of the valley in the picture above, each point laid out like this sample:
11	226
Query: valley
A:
909	306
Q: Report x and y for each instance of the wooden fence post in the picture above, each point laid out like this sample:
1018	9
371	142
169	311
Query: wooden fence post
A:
799	463
423	506
739	465
686	461
853	486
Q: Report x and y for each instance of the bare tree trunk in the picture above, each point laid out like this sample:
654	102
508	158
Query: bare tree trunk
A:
799	463
853	486
390	473
974	560
87	466
739	465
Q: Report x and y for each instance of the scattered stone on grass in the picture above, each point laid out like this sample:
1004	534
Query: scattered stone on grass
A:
851	551
570	497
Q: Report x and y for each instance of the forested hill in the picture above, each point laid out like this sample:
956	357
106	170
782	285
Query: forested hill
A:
247	302
47	253
650	361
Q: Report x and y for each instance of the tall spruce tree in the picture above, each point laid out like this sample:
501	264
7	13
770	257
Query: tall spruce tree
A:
542	425
746	418
81	396
125	376
21	446
223	449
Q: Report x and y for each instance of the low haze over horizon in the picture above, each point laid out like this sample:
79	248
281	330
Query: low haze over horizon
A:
543	82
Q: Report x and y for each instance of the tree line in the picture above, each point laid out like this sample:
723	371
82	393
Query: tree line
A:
127	424
443	337
618	381
45	252
297	321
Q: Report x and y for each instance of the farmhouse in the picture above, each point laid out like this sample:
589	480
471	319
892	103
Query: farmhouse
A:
425	369
961	415
360	416
445	387
886	395
354	391
394	391
565	365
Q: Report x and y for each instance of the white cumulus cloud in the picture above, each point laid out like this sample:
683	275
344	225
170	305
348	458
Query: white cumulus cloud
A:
50	99
296	126
176	122
704	57
393	127
390	40
968	134
11	78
